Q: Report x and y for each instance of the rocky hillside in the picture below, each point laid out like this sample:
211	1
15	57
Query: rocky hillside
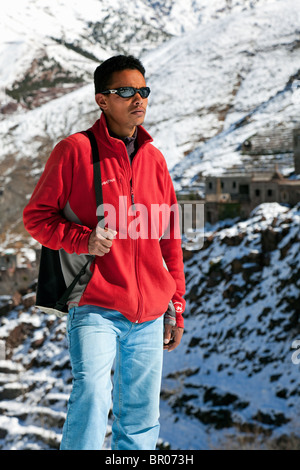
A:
243	318
233	382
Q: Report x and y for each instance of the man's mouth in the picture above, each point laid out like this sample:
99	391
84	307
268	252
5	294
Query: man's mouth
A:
138	112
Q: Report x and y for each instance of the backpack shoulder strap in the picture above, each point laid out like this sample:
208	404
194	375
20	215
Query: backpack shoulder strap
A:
60	304
97	175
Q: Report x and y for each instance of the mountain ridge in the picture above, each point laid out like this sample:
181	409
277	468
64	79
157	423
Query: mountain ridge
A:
233	381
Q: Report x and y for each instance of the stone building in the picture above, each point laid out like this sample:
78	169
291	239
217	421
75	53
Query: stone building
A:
17	270
236	194
296	142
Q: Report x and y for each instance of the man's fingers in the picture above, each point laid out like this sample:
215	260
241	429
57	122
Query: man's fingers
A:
174	344
102	249
105	233
101	241
176	335
167	334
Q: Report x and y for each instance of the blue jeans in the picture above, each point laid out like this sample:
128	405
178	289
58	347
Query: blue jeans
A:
99	338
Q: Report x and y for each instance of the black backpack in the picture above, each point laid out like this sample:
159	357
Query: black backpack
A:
52	292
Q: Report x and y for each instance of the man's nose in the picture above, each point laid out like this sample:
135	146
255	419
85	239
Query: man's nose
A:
137	98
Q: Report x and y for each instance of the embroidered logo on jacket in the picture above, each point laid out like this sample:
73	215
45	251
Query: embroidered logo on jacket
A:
108	181
178	307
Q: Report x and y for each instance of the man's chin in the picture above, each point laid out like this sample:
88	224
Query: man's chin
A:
140	120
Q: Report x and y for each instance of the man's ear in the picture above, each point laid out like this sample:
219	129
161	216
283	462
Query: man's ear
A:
101	100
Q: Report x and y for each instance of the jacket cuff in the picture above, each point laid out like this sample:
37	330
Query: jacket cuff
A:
83	244
179	305
179	320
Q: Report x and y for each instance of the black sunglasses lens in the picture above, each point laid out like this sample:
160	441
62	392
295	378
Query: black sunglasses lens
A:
128	92
144	92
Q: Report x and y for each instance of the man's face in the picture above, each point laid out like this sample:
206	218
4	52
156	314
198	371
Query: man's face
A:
124	114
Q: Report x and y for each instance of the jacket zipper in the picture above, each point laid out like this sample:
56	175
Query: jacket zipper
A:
135	247
132	195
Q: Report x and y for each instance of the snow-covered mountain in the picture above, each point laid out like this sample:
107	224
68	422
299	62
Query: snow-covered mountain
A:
74	36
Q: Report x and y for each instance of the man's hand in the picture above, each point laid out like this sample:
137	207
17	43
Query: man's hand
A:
172	337
100	241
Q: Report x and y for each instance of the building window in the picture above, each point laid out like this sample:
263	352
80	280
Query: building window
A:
244	189
257	192
234	184
210	185
269	193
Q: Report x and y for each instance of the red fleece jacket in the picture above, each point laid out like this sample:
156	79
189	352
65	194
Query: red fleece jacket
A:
132	278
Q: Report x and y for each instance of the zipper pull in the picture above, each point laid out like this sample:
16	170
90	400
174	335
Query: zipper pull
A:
132	196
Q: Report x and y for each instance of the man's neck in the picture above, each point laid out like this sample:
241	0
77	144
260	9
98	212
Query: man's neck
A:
122	133
131	143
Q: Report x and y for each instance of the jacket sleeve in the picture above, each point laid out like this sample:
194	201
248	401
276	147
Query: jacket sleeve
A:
43	217
171	250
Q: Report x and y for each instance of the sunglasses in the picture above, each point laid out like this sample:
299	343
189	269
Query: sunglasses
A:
129	91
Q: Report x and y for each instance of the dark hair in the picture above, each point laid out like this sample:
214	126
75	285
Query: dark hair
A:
103	73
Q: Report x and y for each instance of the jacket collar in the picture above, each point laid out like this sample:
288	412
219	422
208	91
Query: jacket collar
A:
101	133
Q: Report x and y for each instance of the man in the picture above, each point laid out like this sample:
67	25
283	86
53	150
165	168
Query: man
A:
116	313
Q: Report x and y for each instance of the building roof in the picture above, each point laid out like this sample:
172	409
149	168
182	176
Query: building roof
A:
270	142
